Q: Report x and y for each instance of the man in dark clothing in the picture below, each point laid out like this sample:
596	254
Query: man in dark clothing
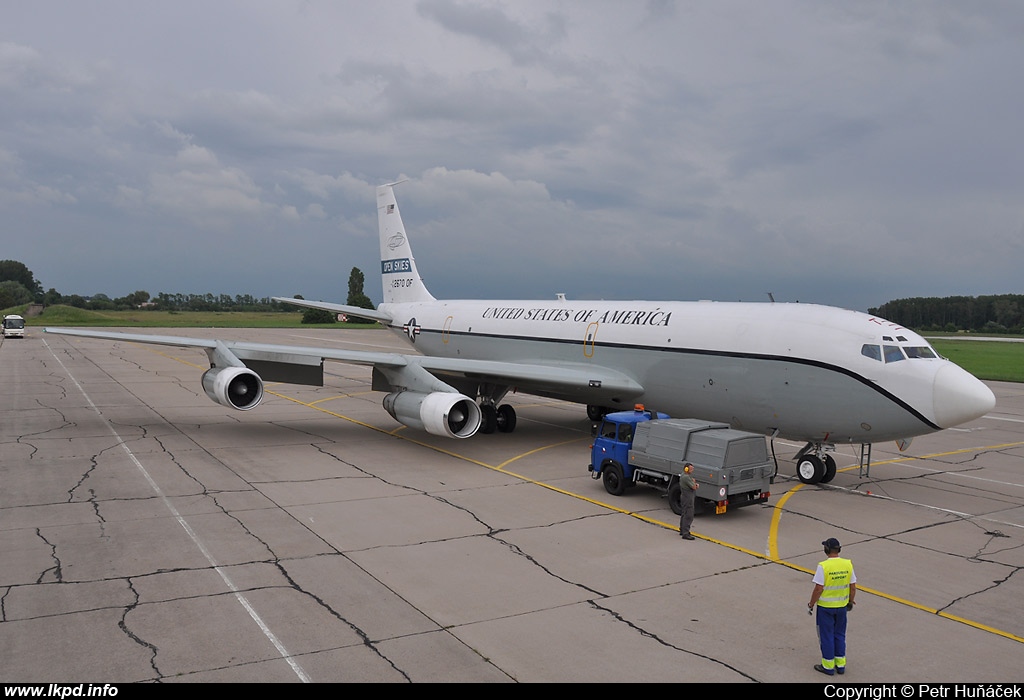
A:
687	496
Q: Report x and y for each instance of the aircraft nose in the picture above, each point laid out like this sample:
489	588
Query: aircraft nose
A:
959	397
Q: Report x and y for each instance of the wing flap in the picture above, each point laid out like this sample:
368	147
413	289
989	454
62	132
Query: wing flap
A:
593	378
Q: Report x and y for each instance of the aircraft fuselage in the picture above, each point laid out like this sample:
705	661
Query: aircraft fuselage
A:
795	370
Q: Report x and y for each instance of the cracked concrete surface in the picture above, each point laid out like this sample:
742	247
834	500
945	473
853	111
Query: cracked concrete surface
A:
148	534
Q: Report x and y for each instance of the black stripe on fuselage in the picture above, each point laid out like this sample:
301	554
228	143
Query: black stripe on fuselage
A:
694	351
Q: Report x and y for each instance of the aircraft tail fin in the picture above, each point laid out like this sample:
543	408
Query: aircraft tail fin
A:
399	278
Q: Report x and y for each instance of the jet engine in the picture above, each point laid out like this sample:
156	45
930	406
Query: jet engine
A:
235	387
439	413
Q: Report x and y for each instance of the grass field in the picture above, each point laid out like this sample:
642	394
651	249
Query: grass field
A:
999	361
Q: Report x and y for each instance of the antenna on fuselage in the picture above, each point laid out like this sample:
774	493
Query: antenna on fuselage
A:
771	297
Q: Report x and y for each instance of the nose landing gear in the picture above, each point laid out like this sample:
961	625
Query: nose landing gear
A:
814	465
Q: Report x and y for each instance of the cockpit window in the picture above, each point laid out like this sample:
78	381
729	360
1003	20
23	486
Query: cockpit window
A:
893	354
914	353
872	351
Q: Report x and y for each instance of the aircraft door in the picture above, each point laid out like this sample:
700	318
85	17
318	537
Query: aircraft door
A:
588	340
445	331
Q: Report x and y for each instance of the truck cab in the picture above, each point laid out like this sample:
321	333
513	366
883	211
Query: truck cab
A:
731	467
13	326
613	438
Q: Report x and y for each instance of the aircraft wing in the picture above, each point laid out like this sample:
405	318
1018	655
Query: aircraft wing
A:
242	350
289	363
357	311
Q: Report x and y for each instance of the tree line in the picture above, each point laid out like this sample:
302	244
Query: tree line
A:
18	286
997	313
1000	313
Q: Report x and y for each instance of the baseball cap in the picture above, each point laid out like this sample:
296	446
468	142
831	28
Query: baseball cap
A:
832	543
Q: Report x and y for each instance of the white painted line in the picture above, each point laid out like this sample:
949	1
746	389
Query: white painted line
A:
1012	420
191	533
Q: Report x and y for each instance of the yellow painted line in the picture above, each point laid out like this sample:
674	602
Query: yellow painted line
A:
336	397
772	556
915	458
773	551
169	356
946	615
773	529
501	467
393	433
779	507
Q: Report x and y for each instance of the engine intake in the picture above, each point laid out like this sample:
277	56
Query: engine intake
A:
235	387
440	413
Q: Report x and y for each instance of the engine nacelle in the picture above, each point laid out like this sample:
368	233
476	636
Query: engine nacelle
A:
440	413
235	387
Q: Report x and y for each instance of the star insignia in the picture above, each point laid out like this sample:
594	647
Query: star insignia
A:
412	329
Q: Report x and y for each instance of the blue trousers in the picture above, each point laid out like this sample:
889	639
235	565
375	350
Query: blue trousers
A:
832	637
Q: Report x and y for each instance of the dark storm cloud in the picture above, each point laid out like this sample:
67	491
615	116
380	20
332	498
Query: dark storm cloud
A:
831	152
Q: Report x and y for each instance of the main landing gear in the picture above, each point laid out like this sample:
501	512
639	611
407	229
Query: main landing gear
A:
501	418
494	415
814	465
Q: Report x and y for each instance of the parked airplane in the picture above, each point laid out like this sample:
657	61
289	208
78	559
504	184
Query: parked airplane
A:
816	374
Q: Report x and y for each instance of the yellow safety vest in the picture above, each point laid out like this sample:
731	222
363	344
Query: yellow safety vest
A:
838	573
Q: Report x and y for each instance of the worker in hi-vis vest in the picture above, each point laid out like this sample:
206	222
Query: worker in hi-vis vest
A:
835	587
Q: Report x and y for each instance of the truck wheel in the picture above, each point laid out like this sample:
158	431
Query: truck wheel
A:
675	498
614	481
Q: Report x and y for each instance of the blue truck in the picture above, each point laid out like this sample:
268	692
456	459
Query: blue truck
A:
732	467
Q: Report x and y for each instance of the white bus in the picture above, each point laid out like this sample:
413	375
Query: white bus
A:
14	326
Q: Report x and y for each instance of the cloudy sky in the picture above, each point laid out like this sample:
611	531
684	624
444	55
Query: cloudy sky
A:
831	152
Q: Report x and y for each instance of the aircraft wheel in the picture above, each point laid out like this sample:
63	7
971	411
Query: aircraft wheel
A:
675	498
506	418
810	469
595	413
830	469
614	481
488	419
